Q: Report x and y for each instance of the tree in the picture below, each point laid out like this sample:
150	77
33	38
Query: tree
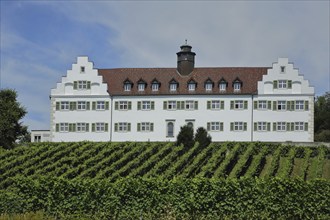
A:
185	136
322	118
11	112
202	137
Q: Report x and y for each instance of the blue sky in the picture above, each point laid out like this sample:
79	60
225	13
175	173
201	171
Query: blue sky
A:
41	39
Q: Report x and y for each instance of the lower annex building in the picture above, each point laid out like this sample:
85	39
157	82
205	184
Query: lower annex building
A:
151	104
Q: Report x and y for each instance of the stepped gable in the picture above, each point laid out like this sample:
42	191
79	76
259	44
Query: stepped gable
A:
249	76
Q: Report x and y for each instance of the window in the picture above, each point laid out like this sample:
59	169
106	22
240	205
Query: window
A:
127	87
155	87
299	126
64	127
191	86
170	129
145	126
171	105
122	127
141	86
208	86
215	104
173	87
146	105
262	126
100	105
123	105
222	86
82	85
281	105
262	104
238	126
281	126
189	105
82	69
215	126
282	84
81	105
238	104
37	138
64	105
300	105
282	69
99	127
82	127
237	86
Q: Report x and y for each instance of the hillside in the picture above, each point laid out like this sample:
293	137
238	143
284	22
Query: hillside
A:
112	161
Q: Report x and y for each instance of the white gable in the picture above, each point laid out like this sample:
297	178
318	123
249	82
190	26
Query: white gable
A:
283	71
81	71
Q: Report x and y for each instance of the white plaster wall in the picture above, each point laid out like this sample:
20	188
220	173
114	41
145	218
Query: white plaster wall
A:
180	117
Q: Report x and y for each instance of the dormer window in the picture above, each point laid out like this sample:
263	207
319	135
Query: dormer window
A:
141	85
208	85
128	85
282	69
82	69
192	85
155	85
222	85
173	85
237	84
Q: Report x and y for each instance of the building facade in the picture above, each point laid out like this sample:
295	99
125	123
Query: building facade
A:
151	104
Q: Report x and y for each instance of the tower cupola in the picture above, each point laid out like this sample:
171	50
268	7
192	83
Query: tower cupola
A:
186	60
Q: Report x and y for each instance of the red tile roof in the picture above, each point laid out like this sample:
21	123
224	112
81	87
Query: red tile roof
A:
249	76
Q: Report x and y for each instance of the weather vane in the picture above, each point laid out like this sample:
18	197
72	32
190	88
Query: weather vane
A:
186	41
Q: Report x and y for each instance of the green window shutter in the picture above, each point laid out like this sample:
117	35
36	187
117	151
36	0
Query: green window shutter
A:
116	105
87	127
306	126
182	105
222	105
165	105
306	105
57	127
208	105
152	105
289	84
178	105
93	105
73	106
245	126
151	126
288	128
255	104
274	126
231	126
208	126
245	104
138	126
288	106
128	126
57	106
129	105
106	105
75	85
93	127
139	105
87	105
292	108
269	105
292	126
116	127
106	127
221	126
70	127
268	126
231	104
196	105
255	126
274	105
275	84
73	127
88	84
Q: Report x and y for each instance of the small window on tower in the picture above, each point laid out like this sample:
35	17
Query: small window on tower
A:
282	69
82	69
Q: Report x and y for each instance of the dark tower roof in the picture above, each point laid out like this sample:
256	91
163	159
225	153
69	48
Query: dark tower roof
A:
186	60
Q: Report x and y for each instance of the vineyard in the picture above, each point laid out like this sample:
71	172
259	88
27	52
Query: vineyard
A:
233	180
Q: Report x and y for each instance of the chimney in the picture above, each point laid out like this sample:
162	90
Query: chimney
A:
186	60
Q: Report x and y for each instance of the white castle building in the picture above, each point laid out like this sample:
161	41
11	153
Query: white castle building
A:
151	104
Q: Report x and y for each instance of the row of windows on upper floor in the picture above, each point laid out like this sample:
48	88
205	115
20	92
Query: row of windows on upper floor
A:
280	105
212	126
